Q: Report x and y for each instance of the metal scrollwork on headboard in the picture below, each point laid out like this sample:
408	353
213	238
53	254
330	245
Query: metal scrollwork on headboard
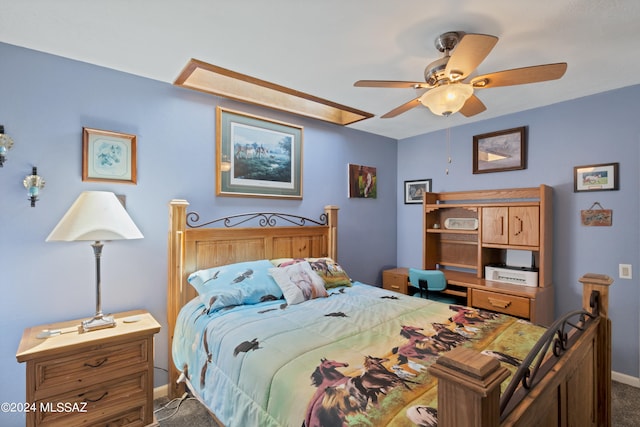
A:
557	338
264	219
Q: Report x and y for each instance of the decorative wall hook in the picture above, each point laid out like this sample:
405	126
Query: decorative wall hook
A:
5	145
33	183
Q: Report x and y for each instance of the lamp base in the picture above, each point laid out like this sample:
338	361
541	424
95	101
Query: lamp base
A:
97	322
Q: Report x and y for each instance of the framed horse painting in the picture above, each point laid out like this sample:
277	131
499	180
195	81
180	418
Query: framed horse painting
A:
257	157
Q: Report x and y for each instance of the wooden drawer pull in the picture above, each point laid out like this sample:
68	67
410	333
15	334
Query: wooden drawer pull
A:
97	365
86	399
499	303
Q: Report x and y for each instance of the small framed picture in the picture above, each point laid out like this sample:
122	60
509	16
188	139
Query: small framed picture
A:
108	156
414	190
600	177
500	151
363	182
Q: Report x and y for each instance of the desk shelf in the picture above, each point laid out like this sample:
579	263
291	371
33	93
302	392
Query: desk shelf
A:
507	219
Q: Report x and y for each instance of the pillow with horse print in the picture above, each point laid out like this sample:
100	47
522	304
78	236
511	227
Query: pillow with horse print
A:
330	271
235	284
299	282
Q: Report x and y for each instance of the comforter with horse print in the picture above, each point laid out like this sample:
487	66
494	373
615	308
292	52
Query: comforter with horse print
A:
357	357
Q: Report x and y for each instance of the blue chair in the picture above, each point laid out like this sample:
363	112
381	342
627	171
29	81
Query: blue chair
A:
429	283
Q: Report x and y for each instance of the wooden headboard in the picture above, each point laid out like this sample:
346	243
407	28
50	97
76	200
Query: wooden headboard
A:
195	245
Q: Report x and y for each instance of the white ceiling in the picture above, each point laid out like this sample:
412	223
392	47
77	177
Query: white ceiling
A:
322	47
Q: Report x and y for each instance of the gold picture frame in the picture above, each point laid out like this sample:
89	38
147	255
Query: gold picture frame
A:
108	156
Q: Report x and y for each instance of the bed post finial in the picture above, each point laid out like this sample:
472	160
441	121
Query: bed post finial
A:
600	283
472	380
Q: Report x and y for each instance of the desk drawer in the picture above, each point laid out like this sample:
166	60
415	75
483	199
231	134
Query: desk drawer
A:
502	303
393	281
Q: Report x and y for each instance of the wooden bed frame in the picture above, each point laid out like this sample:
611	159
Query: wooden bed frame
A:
572	388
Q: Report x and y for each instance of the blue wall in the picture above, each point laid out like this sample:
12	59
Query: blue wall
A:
45	102
580	132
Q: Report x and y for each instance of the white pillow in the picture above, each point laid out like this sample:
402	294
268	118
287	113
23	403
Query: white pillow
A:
299	282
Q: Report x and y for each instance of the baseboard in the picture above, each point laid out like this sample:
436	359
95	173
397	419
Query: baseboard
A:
161	391
625	379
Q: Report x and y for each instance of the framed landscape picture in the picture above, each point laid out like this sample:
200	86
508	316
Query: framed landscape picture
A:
500	151
257	157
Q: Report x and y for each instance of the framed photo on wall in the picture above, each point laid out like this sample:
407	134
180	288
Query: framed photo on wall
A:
108	156
500	151
414	190
600	177
363	182
257	157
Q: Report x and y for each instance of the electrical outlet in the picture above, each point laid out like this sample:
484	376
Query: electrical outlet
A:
624	271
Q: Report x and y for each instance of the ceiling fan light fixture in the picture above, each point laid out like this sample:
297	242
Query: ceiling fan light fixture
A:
447	99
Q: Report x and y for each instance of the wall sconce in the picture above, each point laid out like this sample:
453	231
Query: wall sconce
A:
5	145
33	183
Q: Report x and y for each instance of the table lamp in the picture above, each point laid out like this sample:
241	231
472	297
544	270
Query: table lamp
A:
96	216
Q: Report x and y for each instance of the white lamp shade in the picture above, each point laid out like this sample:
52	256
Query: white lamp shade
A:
447	99
95	215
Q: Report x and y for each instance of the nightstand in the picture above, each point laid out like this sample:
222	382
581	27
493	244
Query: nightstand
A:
97	378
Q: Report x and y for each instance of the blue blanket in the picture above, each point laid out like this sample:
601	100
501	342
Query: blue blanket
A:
357	357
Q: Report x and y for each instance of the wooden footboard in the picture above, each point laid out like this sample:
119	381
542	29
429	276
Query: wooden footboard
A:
572	388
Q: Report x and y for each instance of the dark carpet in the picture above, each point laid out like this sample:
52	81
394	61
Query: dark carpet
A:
625	408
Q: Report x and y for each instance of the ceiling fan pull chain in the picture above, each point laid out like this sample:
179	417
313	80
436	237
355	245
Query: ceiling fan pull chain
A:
448	148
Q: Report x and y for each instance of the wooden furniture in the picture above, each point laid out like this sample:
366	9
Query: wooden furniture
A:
102	377
514	300
397	279
579	381
195	248
508	219
575	391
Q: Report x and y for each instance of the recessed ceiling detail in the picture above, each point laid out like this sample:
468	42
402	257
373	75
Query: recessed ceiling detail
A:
204	77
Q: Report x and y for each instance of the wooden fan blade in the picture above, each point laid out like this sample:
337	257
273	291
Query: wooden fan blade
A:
470	51
520	76
401	109
472	107
389	84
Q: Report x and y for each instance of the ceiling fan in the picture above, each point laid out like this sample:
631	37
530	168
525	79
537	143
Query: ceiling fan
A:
447	80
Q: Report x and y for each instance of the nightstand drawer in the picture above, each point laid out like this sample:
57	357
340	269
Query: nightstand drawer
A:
502	303
101	404
84	368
